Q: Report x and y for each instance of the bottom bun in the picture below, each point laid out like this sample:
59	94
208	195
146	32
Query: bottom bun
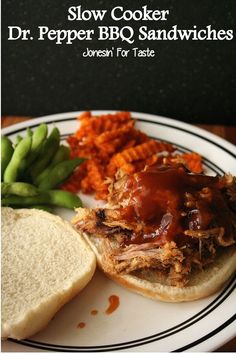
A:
202	283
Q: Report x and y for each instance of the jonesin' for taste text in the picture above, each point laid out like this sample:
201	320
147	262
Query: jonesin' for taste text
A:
119	53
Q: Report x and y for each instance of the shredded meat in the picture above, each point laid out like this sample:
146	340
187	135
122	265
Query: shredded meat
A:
135	257
217	233
174	259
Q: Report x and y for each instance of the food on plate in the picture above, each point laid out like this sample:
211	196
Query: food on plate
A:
19	188
6	153
21	151
45	263
54	197
46	153
165	233
33	167
38	138
111	142
61	155
59	173
114	303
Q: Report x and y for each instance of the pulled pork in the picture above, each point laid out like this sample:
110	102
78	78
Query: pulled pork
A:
165	220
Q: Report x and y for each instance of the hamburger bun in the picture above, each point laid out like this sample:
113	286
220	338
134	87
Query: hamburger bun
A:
45	263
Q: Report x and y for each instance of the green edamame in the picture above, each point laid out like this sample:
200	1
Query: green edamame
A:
54	197
59	173
29	131
19	188
64	199
15	200
18	139
37	158
19	154
62	154
38	137
6	153
49	149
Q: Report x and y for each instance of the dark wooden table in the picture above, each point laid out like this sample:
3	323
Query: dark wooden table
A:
226	132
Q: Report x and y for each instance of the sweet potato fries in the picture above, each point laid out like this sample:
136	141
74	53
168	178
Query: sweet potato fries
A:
110	143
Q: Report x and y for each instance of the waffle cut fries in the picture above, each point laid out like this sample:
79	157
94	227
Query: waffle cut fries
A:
111	142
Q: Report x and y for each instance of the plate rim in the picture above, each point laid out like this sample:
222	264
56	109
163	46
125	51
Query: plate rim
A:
60	116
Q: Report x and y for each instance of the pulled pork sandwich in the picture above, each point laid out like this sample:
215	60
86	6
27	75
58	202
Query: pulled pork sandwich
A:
166	233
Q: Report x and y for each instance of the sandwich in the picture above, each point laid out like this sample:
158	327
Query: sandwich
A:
165	233
45	263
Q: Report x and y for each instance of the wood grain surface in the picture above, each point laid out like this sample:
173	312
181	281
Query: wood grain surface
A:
226	132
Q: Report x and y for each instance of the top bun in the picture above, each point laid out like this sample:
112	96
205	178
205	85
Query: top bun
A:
45	263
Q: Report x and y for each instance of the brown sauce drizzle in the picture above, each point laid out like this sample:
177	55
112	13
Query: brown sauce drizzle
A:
81	325
114	303
94	312
157	198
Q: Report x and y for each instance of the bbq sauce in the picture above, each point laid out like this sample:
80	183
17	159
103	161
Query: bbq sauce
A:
114	303
81	325
157	198
94	312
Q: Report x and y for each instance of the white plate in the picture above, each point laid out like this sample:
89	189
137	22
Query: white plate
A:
140	324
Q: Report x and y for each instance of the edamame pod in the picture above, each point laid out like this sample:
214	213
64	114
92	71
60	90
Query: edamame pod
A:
54	197
49	149
38	137
29	131
15	200
23	164
62	154
19	154
19	188
64	199
6	153
59	173
18	139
